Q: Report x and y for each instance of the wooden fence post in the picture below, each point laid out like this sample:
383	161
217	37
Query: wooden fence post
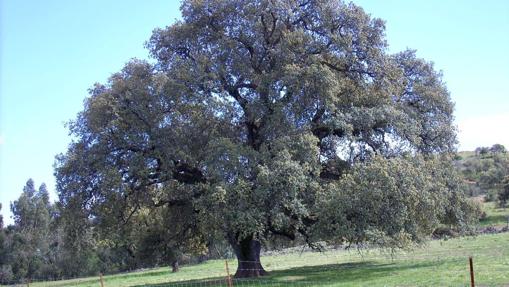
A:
228	277
101	279
472	281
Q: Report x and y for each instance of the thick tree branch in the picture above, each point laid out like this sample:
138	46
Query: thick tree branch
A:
348	70
186	173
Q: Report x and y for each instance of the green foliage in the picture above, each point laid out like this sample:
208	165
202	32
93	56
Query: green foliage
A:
503	195
37	245
26	245
498	148
31	214
79	248
5	268
393	202
494	149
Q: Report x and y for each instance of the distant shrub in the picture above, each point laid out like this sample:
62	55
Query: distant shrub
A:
445	232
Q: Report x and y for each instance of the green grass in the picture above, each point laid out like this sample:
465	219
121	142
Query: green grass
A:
466	154
496	216
440	263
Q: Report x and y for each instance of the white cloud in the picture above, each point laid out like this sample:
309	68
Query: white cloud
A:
483	131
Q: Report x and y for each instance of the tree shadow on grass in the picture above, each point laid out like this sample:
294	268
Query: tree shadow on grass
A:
494	219
150	273
353	273
320	275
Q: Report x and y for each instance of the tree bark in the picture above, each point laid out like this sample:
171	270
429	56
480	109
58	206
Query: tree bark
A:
248	256
175	266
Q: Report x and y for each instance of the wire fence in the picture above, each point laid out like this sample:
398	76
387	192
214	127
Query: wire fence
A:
448	266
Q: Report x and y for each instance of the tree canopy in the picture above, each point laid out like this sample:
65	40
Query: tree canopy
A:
264	119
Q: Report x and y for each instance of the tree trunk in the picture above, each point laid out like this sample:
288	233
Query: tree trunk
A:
248	257
175	266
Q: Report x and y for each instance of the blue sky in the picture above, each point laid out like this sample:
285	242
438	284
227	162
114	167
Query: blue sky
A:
52	51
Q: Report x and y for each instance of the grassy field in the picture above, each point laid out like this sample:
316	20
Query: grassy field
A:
440	263
496	216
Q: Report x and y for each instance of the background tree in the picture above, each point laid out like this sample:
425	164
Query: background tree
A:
166	238
503	195
256	113
498	148
5	268
30	236
79	246
48	242
482	151
1	219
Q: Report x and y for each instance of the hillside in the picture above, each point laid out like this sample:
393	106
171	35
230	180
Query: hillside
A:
484	170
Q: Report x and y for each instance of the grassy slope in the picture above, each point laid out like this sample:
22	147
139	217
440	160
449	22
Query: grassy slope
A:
443	263
496	216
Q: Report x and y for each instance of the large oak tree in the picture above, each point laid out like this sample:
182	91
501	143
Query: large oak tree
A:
269	118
